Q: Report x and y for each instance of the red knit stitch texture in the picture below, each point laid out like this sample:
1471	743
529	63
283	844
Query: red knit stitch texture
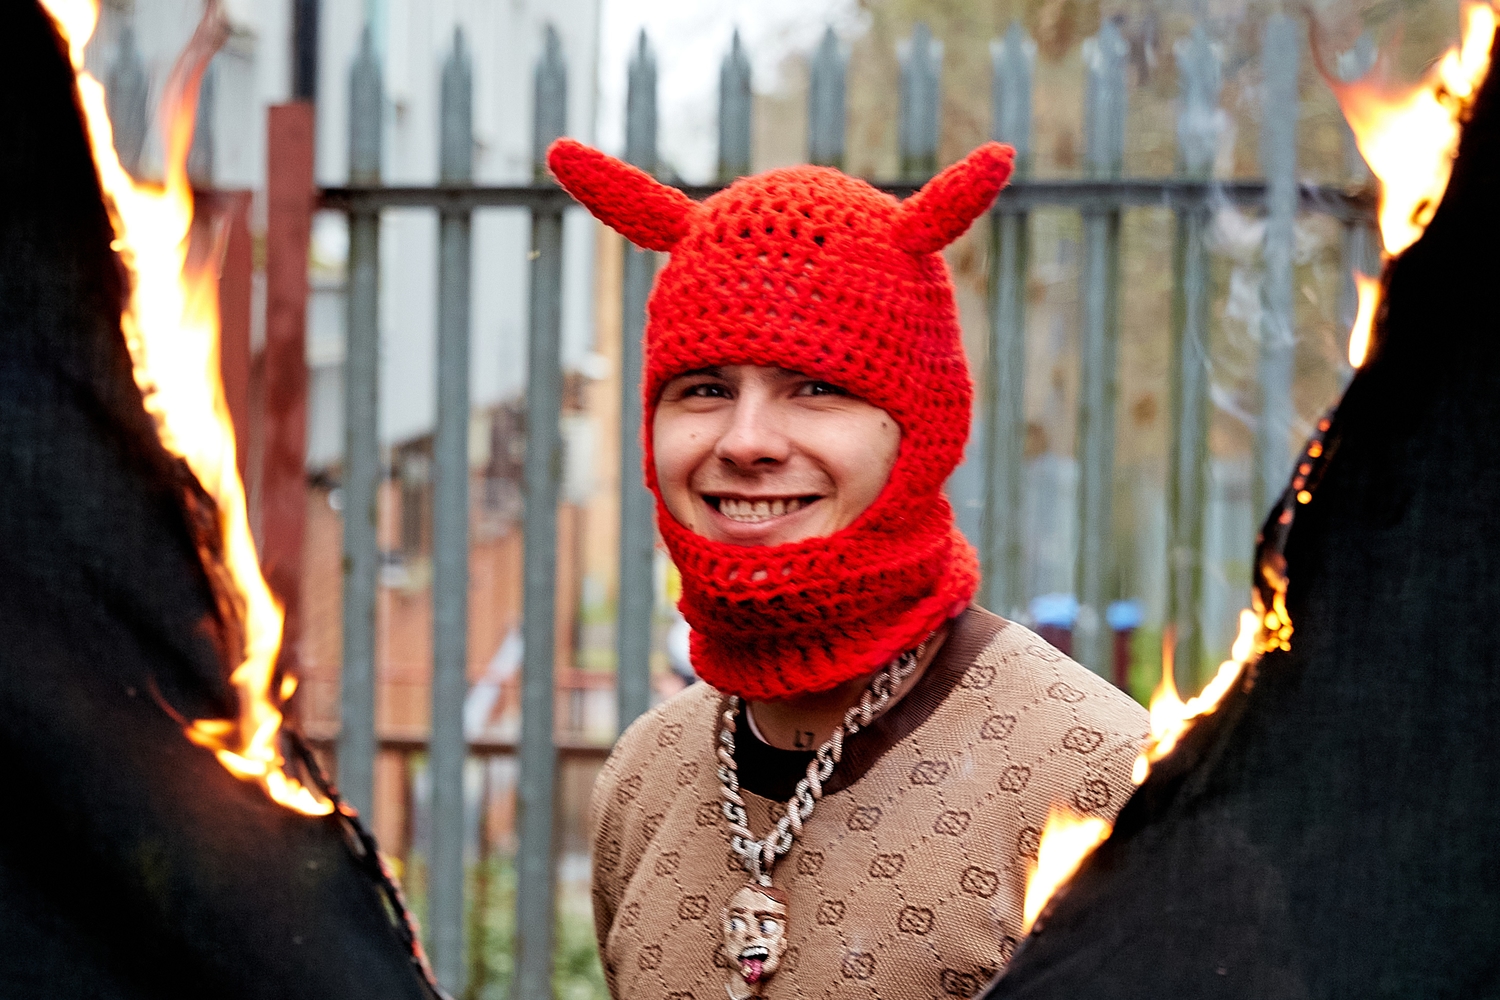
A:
808	269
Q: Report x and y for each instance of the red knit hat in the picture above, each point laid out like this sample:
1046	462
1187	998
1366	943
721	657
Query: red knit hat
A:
813	271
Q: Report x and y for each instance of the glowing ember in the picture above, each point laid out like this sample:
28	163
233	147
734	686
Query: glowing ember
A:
1066	840
1369	290
1409	135
171	327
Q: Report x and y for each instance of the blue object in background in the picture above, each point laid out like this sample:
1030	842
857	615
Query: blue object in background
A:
1124	616
1054	610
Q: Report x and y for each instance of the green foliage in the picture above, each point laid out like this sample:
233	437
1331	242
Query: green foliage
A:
491	896
1145	664
576	972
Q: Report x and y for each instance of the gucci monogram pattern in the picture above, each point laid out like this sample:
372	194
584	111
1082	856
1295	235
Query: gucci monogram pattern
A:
906	884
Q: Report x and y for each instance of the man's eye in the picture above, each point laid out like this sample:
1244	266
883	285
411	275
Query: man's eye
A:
706	390
824	389
768	927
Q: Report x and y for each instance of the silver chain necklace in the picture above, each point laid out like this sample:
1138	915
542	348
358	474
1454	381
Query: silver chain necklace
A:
760	856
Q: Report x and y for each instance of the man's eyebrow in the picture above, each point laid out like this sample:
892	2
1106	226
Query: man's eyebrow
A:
712	371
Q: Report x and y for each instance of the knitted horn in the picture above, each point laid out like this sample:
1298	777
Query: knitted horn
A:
630	201
939	213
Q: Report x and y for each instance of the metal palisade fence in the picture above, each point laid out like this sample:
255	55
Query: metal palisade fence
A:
1101	197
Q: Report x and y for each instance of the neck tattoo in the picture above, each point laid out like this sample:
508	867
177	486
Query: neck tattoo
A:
755	917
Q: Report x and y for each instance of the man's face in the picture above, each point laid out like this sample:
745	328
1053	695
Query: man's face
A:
750	455
754	933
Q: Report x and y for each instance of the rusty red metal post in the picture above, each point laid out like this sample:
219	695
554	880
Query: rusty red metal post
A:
235	278
290	197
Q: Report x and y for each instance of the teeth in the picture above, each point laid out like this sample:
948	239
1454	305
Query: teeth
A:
755	511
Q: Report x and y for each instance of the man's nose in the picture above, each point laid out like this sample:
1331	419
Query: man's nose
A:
756	434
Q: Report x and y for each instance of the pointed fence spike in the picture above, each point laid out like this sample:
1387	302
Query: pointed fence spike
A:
735	109
1104	57
127	97
1359	242
456	138
640	107
1012	66
918	124
200	161
366	110
550	111
1200	122
1351	65
825	104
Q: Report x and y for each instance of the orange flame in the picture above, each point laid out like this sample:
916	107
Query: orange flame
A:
1171	717
171	327
1369	290
1066	840
1261	630
1409	134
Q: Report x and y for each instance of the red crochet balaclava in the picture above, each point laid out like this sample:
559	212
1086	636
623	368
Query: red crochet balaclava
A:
811	270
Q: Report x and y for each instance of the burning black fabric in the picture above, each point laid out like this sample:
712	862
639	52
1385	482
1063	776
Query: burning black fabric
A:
1334	830
132	865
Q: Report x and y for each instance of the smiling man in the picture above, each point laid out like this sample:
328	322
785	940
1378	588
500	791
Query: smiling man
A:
754	455
850	806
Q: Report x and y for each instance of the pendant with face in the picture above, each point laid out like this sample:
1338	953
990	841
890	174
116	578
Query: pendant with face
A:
754	938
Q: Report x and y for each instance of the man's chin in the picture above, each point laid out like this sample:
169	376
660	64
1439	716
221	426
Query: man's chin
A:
762	539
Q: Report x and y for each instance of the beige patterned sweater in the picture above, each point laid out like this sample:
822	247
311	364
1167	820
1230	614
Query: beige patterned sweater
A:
908	880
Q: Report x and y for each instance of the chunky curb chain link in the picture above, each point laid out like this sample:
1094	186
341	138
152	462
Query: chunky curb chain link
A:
760	856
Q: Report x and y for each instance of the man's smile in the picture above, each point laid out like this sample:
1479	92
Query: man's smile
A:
748	510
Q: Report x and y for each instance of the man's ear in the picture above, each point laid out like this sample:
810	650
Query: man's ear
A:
648	213
949	203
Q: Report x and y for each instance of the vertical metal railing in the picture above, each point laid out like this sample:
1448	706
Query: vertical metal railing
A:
1100	198
636	595
1200	79
543	471
450	529
1104	56
1012	64
1280	51
361	471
